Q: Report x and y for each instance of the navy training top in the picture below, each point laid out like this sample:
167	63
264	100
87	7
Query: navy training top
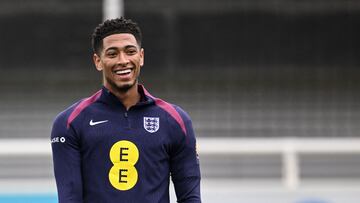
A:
103	153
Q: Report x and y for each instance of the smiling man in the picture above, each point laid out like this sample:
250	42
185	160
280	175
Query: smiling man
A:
122	144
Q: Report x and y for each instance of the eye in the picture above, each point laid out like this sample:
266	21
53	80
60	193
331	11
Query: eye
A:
111	54
131	51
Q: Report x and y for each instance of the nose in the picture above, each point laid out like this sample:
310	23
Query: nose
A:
122	59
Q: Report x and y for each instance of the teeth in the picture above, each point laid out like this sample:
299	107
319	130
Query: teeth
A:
126	71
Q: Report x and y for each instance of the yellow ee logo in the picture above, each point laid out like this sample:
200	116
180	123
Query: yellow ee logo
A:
124	155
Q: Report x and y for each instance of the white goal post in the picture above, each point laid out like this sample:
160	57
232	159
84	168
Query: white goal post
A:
113	9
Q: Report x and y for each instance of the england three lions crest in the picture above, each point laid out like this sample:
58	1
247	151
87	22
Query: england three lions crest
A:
151	124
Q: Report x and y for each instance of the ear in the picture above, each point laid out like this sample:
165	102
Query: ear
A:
141	57
97	62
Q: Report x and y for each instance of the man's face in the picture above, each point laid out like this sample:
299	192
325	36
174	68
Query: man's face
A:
120	61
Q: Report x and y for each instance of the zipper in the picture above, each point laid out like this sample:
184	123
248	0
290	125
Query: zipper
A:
126	115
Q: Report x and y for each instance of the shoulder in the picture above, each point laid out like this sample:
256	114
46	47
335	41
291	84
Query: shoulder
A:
59	128
178	118
66	117
175	114
185	116
61	119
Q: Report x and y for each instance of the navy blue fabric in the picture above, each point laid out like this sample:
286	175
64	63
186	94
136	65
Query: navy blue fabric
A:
81	152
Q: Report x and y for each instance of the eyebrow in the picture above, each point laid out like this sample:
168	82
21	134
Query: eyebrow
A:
126	47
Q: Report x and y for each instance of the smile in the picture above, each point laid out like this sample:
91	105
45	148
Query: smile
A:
123	71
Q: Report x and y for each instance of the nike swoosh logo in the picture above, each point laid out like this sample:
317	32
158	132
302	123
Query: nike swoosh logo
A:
92	123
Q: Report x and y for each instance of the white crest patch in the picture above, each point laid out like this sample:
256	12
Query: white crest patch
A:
151	124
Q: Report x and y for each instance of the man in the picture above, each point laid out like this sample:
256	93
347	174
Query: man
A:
121	144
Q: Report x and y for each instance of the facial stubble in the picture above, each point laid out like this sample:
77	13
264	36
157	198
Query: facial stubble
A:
123	88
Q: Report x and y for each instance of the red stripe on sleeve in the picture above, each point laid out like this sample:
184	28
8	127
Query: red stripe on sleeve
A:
168	108
80	107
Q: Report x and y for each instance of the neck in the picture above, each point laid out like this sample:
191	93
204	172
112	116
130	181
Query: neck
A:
128	98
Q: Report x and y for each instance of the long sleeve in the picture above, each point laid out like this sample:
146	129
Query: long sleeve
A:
184	164
67	162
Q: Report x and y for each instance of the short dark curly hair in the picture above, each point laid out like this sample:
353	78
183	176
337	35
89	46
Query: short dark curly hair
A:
114	26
